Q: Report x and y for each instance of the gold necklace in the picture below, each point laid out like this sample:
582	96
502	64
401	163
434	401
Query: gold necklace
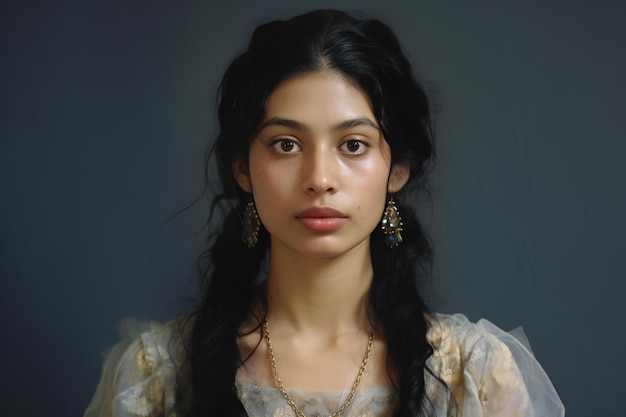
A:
290	401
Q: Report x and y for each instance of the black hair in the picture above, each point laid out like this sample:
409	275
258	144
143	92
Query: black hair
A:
366	52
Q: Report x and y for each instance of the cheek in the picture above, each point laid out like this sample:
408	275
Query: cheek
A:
272	187
267	177
261	175
372	177
371	191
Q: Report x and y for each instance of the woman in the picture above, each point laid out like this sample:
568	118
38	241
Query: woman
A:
311	305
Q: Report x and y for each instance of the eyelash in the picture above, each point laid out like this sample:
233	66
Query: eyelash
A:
362	146
277	145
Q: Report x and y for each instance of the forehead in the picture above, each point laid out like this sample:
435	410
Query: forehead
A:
319	98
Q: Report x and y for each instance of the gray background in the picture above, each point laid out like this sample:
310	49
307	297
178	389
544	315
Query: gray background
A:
107	112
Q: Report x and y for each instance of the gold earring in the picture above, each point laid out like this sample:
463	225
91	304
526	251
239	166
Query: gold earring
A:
251	225
392	224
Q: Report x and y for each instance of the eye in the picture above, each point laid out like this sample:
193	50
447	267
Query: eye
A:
285	146
354	146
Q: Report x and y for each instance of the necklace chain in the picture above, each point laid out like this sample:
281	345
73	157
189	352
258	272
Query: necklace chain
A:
290	401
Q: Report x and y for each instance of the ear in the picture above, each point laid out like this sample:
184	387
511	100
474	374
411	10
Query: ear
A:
398	177
242	174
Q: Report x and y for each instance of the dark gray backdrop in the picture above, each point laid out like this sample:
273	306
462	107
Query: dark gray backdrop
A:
107	111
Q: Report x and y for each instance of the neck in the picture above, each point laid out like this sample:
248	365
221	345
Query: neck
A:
320	295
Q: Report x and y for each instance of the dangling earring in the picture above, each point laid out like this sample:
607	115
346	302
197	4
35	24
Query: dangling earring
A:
251	225
392	224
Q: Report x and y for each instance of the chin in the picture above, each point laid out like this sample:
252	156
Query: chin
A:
329	249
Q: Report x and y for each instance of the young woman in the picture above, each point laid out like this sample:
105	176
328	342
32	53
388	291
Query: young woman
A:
311	305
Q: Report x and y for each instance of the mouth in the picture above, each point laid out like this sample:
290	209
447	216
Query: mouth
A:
320	212
321	219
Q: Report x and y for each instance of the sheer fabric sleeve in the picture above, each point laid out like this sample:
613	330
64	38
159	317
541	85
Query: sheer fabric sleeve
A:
491	372
138	375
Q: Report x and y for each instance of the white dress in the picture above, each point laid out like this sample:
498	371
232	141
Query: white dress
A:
489	372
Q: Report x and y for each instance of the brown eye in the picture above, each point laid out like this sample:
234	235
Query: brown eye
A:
285	146
354	146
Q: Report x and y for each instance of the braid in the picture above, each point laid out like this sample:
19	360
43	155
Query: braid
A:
206	383
399	308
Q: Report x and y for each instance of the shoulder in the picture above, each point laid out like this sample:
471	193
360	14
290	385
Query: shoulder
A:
489	371
139	373
455	336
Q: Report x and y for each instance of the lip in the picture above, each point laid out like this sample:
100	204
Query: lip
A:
320	212
321	219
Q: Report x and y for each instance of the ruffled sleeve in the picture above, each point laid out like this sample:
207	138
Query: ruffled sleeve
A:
138	376
489	372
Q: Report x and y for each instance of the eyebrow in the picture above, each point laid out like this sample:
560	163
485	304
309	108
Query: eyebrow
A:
293	124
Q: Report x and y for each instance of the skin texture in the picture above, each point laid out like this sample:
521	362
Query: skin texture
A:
319	152
303	157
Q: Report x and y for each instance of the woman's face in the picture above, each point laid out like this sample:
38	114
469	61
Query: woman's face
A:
319	166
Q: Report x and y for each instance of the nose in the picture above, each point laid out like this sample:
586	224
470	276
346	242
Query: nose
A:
320	172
